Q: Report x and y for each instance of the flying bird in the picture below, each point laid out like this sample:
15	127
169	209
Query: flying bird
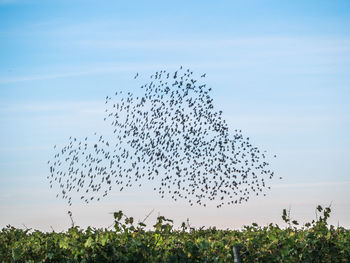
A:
173	135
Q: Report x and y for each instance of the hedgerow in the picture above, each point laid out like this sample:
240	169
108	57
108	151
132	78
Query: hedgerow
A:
131	242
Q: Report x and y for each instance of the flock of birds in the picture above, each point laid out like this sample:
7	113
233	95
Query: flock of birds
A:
171	135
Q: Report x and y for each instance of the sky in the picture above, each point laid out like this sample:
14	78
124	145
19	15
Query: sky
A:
279	71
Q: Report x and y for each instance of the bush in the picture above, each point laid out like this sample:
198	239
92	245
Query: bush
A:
130	242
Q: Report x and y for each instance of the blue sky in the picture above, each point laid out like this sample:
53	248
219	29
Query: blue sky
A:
279	71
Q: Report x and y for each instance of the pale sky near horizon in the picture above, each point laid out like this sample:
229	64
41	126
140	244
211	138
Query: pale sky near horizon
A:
279	71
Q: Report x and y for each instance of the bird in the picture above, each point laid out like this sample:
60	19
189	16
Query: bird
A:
170	134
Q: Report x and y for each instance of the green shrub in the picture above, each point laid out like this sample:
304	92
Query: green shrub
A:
130	242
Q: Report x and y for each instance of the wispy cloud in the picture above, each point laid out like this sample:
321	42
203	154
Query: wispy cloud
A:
57	75
273	44
93	70
280	55
85	106
310	185
283	122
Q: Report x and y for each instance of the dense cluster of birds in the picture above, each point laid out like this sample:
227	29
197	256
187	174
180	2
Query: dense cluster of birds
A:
170	134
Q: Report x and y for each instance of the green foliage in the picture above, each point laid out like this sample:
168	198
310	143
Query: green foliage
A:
130	242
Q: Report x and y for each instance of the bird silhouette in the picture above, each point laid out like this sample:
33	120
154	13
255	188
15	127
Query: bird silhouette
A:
172	135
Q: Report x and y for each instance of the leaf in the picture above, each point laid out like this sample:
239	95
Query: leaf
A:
104	240
295	222
118	215
16	253
88	242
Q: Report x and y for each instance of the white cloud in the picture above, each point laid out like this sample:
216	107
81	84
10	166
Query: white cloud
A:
273	45
92	70
312	184
82	106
